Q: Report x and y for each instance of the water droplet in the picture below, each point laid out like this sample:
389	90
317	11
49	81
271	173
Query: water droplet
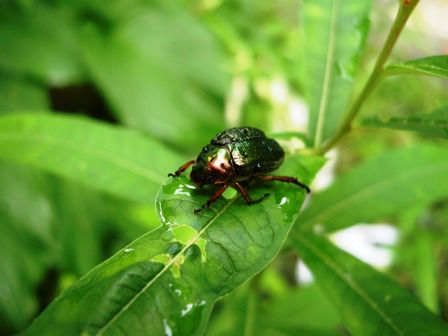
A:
283	201
187	309
127	250
167	328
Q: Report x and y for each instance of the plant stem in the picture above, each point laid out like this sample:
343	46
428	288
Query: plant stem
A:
404	11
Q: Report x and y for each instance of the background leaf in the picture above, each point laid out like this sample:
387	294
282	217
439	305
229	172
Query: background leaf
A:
25	234
175	67
382	186
168	280
104	157
432	66
434	123
382	308
50	32
330	65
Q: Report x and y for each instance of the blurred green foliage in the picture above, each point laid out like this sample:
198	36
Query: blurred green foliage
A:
99	100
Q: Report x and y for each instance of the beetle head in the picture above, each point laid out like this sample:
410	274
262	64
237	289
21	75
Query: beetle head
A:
201	174
212	166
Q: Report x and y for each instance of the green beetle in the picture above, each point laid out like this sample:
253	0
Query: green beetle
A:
233	157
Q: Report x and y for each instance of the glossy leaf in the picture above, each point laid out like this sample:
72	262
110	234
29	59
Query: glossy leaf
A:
107	158
382	186
167	281
432	66
434	123
334	35
368	302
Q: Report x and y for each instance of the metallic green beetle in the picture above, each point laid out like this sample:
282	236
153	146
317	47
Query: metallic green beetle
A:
233	157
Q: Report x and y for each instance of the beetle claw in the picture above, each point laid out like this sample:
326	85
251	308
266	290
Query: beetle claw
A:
260	199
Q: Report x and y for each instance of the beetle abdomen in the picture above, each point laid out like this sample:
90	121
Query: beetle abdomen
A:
237	134
256	156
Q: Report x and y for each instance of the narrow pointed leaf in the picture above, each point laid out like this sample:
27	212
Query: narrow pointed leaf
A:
167	281
382	186
432	66
334	35
368	302
101	156
434	123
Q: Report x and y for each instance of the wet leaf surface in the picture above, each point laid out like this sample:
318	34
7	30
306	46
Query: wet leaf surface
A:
167	281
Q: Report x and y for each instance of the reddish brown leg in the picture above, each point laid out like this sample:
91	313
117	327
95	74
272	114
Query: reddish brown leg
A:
245	195
283	179
182	168
213	198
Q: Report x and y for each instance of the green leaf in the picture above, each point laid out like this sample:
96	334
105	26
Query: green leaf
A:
26	238
334	35
237	314
41	42
368	302
104	157
170	66
168	280
384	185
18	95
434	123
432	66
295	313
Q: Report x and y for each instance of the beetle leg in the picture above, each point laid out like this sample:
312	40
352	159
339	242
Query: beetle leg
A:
246	195
283	179
244	184
182	168
212	199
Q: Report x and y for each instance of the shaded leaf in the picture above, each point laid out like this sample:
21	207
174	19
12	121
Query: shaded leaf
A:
26	238
295	313
334	35
104	157
382	186
40	41
368	302
432	66
160	72
20	95
168	280
434	123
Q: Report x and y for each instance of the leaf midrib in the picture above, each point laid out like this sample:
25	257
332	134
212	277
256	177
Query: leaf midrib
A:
173	261
353	285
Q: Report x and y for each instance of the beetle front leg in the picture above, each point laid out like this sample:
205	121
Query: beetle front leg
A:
182	168
283	179
212	199
246	195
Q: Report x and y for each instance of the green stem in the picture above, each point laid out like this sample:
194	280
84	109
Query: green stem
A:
404	11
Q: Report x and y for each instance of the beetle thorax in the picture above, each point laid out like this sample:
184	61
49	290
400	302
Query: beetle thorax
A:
220	162
212	167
